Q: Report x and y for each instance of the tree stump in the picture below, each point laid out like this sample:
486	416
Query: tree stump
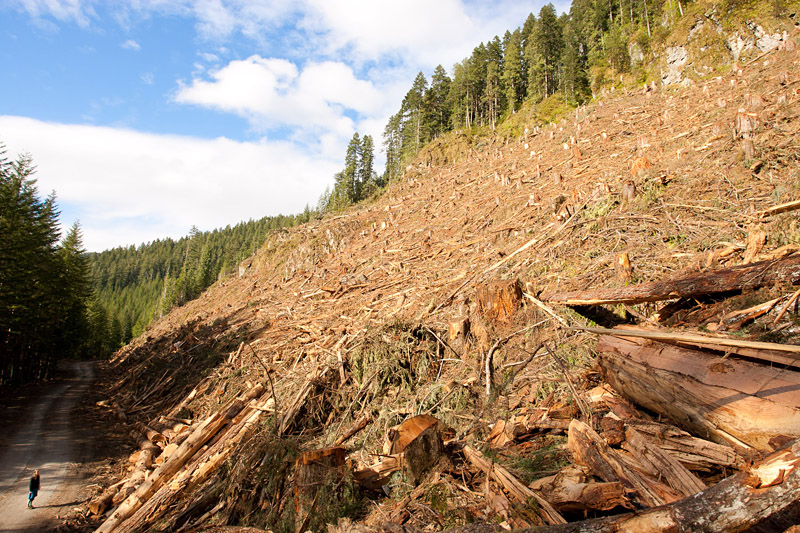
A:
313	471
498	300
418	439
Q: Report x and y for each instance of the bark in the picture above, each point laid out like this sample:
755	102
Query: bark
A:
737	278
314	471
737	403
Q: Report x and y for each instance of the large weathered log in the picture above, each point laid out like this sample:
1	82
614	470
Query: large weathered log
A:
163	473
740	277
692	452
589	449
763	499
515	488
785	354
742	404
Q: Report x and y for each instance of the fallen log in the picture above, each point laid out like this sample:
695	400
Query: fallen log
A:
515	488
786	354
737	278
355	428
694	453
738	403
151	434
100	503
764	498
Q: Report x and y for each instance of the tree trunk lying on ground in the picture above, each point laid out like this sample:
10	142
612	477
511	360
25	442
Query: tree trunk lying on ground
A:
764	498
196	471
199	436
748	406
716	281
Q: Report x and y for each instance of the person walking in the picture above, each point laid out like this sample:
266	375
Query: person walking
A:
33	488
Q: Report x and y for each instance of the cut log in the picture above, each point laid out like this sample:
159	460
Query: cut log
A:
163	473
512	485
738	403
313	471
571	491
99	504
151	434
143	463
197	471
737	278
590	450
763	499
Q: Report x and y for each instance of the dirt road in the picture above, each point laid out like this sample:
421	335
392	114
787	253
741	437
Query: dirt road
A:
45	439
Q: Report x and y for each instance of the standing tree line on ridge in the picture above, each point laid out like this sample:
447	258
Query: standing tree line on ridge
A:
566	56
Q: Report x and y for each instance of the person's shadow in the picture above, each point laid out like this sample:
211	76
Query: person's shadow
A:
55	506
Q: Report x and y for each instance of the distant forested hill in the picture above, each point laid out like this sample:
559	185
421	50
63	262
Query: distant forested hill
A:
134	285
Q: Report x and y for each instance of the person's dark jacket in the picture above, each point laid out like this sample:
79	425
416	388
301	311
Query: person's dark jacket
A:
34	485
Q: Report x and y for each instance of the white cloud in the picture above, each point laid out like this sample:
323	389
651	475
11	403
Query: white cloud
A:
77	11
130	44
148	78
272	93
132	187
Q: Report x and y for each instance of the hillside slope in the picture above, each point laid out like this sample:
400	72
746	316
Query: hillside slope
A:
375	313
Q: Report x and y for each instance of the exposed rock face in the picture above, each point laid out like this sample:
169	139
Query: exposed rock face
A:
676	61
756	37
751	40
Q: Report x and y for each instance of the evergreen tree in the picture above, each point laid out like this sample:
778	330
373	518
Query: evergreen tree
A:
411	111
436	106
543	53
512	71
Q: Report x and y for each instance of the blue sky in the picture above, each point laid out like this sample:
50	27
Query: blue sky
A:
150	116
